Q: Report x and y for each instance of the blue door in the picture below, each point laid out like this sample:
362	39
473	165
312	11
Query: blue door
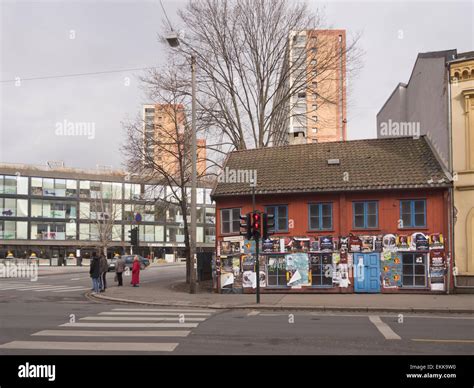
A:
367	272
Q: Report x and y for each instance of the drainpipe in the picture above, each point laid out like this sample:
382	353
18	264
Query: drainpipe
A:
451	192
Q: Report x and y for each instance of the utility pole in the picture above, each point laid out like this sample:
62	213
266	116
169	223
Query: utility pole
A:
193	177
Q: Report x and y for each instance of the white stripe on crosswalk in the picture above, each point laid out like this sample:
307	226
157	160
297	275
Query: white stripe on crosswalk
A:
151	313
195	319
113	333
121	324
100	346
385	329
183	310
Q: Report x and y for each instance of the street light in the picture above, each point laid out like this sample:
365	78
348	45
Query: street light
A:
173	40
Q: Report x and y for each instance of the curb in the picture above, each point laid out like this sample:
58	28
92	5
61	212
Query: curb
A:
218	306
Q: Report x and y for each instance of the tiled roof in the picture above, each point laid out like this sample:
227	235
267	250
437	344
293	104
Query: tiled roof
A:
370	164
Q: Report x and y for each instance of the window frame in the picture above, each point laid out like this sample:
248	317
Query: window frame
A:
276	217
412	213
231	220
320	212
365	203
413	274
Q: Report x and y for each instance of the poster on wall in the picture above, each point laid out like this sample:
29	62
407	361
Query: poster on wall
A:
314	246
298	244
419	242
378	243
271	245
229	247
326	243
341	276
391	270
436	241
297	267
249	247
437	270
227	279
367	243
249	279
226	263
403	242
355	245
389	242
248	263
343	243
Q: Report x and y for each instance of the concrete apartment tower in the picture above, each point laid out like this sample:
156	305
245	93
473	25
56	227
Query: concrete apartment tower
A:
318	114
163	130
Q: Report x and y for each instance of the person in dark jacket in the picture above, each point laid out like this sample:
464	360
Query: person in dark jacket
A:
104	267
94	272
119	268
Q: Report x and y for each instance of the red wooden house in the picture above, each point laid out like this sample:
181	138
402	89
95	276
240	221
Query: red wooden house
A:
355	216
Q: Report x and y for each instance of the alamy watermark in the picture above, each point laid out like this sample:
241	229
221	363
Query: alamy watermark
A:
400	128
75	128
230	175
14	270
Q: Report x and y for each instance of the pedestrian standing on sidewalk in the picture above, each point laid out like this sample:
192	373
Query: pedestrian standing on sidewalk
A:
136	272
94	272
104	267
119	268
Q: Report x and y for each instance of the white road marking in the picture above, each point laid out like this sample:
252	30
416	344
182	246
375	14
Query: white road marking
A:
77	289
325	314
121	324
191	319
183	310
100	346
134	313
113	333
253	313
386	331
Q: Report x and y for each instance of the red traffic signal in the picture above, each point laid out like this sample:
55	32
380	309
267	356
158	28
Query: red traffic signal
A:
256	225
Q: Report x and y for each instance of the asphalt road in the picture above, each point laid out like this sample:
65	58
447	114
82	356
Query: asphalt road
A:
65	322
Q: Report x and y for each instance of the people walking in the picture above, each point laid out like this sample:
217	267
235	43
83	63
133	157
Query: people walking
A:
136	272
104	267
119	268
94	273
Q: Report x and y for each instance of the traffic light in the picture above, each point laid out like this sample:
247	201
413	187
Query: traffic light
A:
246	226
133	234
268	225
256	225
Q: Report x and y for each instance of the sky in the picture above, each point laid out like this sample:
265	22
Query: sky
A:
63	38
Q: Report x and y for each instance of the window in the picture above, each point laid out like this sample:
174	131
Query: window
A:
414	270
210	236
12	230
210	215
53	231
53	209
365	214
413	213
320	216
280	214
174	234
321	270
276	271
230	221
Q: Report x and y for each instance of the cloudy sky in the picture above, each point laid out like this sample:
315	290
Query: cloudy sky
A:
47	44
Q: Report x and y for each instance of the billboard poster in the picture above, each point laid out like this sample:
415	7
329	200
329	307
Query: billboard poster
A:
248	263
297	267
403	242
437	269
436	241
391	270
326	243
271	245
419	242
229	247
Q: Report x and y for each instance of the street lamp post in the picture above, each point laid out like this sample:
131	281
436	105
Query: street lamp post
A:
173	41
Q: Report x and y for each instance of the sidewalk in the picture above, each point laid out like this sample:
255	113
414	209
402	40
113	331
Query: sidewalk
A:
173	294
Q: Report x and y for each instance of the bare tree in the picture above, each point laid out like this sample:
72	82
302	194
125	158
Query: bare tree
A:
247	79
103	211
159	151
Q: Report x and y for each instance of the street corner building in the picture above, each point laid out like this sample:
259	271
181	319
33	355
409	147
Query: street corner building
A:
362	216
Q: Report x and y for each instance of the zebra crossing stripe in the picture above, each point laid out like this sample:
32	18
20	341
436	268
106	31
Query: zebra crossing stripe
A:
93	346
152	313
131	324
183	310
113	333
141	319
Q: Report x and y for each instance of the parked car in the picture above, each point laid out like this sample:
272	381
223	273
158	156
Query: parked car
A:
144	262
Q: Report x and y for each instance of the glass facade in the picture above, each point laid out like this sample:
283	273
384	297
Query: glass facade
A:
74	211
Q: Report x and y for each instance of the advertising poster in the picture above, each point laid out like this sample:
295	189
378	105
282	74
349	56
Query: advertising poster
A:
297	267
391	270
389	242
419	242
378	243
355	245
437	269
229	247
271	246
249	247
343	243
403	242
227	279
367	243
314	245
248	263
436	241
249	279
326	243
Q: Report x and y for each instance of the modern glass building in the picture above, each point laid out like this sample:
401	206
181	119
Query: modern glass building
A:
54	212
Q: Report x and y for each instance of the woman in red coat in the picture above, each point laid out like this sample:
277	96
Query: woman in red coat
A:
136	272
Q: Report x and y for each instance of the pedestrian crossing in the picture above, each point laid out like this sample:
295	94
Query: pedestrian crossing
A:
28	285
139	330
